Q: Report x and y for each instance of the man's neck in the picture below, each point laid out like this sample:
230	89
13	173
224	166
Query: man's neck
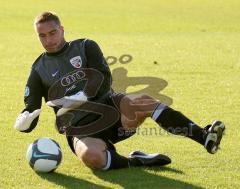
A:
64	45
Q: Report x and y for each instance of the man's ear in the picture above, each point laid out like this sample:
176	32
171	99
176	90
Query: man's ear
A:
62	28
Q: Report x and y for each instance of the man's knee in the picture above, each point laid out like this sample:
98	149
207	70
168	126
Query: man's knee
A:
93	158
92	152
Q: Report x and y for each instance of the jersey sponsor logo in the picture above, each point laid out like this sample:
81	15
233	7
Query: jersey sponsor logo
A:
71	78
27	91
70	88
76	61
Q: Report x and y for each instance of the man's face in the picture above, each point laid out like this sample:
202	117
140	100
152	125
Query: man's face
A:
51	36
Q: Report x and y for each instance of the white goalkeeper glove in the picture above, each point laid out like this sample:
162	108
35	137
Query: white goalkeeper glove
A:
68	102
25	119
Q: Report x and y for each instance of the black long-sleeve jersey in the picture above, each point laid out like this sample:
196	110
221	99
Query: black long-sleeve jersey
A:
78	66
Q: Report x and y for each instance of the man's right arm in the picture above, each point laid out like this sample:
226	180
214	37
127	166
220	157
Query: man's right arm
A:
28	119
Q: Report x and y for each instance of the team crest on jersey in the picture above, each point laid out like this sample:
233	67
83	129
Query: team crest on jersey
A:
76	61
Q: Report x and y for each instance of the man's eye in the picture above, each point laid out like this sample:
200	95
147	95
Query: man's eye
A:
53	33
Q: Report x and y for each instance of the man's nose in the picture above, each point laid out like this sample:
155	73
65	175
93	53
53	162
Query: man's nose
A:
48	40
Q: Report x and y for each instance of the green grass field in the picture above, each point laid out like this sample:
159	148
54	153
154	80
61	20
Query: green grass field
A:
196	45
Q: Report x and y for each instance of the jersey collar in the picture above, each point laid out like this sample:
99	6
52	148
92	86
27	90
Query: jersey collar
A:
60	51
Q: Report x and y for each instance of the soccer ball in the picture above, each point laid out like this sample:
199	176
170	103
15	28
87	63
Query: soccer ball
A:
44	155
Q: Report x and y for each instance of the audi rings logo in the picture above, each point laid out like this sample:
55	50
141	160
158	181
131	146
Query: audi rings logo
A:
71	78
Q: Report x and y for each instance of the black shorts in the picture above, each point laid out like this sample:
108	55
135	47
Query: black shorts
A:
111	135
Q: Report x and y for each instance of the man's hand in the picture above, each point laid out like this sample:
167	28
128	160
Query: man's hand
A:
25	119
68	102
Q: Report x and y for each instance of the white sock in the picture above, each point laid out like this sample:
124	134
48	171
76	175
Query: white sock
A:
109	160
157	112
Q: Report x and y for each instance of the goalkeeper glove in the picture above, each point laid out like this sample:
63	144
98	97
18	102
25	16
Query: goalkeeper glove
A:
25	119
68	102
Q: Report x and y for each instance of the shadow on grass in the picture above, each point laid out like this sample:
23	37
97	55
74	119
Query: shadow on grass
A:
142	178
69	182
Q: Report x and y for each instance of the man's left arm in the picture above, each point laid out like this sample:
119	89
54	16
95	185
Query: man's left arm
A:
28	118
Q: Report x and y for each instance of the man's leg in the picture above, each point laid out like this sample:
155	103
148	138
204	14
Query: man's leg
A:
95	154
177	123
135	109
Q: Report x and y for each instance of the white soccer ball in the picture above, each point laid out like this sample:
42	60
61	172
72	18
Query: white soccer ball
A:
44	155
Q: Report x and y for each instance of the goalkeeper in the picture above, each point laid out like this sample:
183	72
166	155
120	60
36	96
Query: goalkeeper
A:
74	79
